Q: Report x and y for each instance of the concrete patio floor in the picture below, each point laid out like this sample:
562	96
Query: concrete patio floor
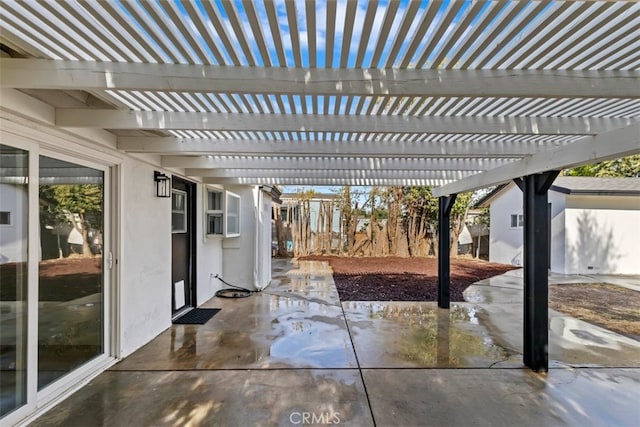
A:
294	355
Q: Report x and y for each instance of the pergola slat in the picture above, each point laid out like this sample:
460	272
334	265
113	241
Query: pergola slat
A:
533	43
258	35
310	11
401	34
75	23
330	29
365	35
347	33
487	38
450	14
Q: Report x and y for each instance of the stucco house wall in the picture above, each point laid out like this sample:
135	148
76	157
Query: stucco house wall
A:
13	199
247	258
145	274
505	242
590	234
603	233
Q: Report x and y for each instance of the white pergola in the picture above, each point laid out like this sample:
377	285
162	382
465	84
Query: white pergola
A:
454	94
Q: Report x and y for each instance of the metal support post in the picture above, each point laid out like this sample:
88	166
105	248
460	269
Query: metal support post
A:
537	226
445	203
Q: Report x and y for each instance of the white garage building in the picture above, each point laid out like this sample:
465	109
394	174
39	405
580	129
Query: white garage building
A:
595	225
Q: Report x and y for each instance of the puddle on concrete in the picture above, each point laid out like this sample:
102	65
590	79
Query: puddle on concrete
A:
389	334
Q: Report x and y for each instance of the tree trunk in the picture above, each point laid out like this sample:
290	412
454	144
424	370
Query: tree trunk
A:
457	225
83	228
393	219
280	233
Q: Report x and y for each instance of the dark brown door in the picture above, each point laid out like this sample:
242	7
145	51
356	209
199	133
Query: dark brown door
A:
182	245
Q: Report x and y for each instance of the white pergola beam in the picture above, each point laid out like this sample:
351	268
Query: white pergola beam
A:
328	163
177	145
327	181
590	149
449	175
89	75
164	120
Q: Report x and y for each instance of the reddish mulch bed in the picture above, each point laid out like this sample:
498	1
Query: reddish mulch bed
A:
403	279
59	279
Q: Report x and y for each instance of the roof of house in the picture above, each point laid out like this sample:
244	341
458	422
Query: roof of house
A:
596	186
580	185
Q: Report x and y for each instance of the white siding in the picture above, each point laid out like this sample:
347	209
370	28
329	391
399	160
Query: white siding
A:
145	260
263	246
506	242
239	252
13	237
589	234
209	255
602	239
247	258
558	230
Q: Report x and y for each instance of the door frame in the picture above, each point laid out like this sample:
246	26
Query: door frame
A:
37	144
190	188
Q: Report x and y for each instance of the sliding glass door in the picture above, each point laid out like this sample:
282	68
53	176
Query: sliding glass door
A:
53	294
70	273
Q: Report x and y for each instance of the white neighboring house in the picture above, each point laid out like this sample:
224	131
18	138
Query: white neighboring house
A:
13	206
595	225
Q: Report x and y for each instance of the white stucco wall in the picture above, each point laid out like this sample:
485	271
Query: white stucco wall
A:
589	234
505	242
558	230
239	252
13	237
208	255
145	259
602	235
263	247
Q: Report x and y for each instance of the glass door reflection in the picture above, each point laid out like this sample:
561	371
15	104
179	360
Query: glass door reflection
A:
13	277
71	292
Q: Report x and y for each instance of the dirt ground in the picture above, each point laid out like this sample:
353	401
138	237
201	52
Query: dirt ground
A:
611	307
403	279
59	279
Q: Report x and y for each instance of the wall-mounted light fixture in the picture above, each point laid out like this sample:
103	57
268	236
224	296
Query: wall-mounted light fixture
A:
163	184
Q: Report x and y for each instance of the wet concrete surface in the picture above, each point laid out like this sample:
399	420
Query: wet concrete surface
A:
419	334
215	398
504	397
288	353
572	342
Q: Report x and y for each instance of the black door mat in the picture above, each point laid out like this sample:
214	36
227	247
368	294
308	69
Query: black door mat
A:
197	316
